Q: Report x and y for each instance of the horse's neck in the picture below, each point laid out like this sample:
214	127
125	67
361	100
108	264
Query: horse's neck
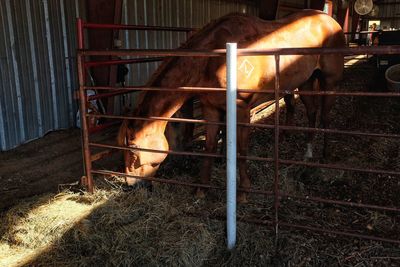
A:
160	104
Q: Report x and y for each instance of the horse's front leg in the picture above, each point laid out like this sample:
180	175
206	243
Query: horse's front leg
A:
290	110
327	104
311	104
243	146
210	114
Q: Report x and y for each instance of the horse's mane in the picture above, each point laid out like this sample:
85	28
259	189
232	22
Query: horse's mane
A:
189	43
192	41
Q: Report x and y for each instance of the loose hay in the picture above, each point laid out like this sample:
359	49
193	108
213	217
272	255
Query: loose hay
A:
117	228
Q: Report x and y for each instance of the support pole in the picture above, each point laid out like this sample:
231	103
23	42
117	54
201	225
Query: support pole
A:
231	91
84	126
87	163
276	148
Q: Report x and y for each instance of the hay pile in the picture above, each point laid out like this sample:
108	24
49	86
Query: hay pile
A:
139	228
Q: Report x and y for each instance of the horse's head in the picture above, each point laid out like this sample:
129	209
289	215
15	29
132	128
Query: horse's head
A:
138	162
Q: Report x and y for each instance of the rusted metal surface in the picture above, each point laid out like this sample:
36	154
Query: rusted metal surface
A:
122	61
84	126
137	27
222	90
377	50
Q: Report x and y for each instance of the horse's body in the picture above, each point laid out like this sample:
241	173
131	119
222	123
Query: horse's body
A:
305	29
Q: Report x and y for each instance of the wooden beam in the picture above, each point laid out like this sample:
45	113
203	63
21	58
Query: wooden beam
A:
268	9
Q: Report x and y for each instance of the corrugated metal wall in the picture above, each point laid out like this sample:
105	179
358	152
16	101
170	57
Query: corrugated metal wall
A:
37	55
37	68
389	11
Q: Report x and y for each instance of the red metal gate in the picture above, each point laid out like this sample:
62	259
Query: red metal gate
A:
276	192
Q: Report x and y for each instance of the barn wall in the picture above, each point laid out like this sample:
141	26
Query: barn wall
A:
37	55
37	68
389	14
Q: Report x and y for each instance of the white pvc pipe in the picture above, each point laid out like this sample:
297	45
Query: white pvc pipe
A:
231	91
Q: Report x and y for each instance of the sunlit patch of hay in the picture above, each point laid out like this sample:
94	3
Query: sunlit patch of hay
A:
33	229
108	227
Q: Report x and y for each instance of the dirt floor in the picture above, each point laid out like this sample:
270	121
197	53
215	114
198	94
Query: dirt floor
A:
156	228
40	166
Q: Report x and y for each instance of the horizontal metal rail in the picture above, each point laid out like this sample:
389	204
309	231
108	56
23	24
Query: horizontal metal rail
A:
254	125
101	127
377	50
270	223
121	61
136	27
170	152
324	231
255	158
113	93
191	89
253	191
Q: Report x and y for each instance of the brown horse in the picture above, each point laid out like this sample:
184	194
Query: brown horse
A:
308	28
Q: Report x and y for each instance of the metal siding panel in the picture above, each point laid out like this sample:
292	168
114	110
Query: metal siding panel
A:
67	63
60	74
34	70
51	63
10	119
4	82
37	68
16	72
25	66
43	67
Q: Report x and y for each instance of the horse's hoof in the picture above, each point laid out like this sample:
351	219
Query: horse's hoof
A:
242	198
309	152
200	193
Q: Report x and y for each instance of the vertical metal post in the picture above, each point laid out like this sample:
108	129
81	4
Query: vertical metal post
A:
84	125
276	147
231	91
83	109
79	32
